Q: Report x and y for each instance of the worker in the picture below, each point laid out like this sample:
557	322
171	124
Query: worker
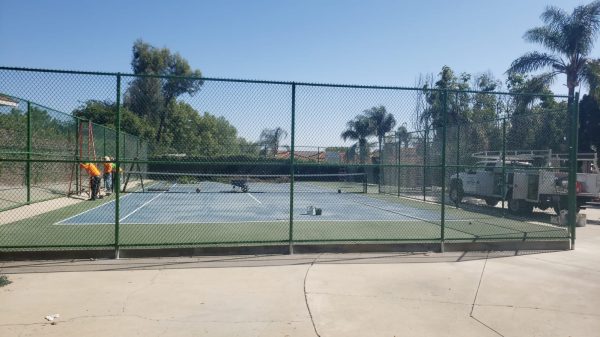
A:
94	173
107	176
115	173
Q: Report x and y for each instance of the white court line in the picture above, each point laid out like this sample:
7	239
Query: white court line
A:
243	222
76	215
144	204
251	196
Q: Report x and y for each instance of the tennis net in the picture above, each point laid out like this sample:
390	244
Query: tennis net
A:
168	182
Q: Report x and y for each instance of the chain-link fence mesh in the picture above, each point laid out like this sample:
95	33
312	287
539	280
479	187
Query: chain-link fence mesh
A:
204	162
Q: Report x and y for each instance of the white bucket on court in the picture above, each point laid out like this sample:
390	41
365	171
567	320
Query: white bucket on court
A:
310	210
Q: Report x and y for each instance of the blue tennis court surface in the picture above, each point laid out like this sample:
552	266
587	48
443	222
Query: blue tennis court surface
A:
218	203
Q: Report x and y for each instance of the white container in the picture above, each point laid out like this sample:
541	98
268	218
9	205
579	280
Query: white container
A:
581	220
310	210
563	219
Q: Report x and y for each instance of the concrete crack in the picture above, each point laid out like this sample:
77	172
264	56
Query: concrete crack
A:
140	289
475	299
306	296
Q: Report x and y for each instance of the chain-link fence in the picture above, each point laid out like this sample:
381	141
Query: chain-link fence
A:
212	162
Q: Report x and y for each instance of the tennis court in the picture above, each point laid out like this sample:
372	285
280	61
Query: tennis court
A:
218	206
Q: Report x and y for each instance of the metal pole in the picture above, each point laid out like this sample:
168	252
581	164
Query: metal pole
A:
104	141
318	155
443	215
398	161
77	157
117	167
425	162
457	142
292	168
574	114
28	166
504	182
457	148
379	168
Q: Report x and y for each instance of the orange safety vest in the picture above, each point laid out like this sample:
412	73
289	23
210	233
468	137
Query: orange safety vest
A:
91	169
107	167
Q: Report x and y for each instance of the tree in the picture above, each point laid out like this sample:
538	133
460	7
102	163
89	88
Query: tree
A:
271	138
456	101
381	122
570	38
403	136
359	129
150	96
536	121
105	112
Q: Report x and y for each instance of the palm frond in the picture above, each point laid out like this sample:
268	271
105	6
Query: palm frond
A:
547	37
349	134
590	73
554	17
533	61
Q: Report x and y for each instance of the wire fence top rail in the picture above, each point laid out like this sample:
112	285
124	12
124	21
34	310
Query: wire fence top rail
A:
289	83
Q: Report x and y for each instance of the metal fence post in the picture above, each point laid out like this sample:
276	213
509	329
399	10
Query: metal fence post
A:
104	141
117	166
77	157
425	161
504	182
398	161
28	165
444	141
292	169
574	114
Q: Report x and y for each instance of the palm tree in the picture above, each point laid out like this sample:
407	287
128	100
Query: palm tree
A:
381	123
359	129
403	135
570	38
270	139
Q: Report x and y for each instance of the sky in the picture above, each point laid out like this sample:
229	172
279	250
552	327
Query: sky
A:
375	42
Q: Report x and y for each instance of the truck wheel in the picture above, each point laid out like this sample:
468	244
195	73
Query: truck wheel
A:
491	202
519	206
456	192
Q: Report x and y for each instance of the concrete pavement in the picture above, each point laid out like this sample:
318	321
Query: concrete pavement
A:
421	294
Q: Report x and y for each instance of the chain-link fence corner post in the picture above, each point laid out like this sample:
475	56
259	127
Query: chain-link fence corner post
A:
292	169
572	192
443	182
28	165
425	144
399	144
117	189
504	180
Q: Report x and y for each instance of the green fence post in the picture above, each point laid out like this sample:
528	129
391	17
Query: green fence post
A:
444	140
504	182
318	155
398	161
104	141
28	165
425	162
379	168
117	189
77	173
457	148
574	114
292	169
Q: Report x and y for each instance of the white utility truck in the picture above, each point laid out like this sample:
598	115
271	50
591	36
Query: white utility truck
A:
531	179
